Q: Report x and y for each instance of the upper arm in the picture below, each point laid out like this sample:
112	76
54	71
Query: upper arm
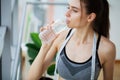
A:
109	58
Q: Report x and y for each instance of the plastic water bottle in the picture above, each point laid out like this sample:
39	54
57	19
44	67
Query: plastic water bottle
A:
57	26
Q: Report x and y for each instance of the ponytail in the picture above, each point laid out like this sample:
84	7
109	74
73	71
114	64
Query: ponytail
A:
101	24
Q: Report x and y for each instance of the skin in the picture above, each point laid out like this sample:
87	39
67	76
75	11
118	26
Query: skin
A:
79	47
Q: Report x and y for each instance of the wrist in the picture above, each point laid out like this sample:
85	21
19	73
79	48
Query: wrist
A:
46	45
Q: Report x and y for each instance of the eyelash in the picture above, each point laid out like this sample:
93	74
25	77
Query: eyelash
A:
72	10
68	7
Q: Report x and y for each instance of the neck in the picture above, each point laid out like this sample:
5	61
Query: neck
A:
83	35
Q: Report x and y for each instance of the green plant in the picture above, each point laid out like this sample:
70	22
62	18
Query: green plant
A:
33	49
34	46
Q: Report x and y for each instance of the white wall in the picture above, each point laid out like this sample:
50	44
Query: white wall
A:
115	24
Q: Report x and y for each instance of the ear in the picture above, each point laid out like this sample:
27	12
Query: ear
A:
91	17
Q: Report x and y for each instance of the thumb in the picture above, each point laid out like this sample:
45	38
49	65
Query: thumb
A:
42	29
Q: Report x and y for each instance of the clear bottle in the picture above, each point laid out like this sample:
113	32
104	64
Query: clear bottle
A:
58	26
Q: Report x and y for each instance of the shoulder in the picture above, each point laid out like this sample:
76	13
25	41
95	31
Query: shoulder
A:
107	49
61	37
107	44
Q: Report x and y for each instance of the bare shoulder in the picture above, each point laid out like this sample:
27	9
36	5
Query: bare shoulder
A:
61	37
107	44
107	49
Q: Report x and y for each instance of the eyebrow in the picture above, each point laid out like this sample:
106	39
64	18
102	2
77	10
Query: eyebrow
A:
74	7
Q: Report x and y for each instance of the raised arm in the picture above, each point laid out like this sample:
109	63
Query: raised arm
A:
44	56
41	62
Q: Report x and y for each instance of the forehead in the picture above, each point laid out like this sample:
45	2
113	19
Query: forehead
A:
75	3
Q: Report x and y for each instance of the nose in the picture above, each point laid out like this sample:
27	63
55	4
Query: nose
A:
67	13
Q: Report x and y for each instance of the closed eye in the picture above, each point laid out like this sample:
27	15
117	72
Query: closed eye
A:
73	9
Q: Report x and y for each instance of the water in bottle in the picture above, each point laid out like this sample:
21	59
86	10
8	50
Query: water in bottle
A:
57	27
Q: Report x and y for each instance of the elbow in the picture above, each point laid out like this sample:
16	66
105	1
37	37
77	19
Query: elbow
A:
33	77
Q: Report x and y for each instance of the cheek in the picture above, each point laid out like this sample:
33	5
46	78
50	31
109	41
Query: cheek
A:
76	20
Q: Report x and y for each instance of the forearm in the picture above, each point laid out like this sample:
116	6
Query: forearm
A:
36	68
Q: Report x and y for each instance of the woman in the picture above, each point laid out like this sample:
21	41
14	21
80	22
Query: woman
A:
90	21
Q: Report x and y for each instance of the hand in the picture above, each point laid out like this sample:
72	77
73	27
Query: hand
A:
47	35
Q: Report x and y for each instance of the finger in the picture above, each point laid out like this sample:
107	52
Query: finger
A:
50	28
42	29
48	25
57	35
51	22
44	36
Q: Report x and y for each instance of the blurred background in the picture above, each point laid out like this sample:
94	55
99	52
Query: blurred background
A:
20	21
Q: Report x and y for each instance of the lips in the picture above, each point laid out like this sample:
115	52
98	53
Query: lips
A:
67	21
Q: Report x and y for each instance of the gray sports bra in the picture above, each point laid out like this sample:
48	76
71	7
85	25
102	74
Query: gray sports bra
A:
71	70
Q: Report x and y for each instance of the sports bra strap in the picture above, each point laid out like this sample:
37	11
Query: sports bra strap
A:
93	54
93	57
68	33
58	54
98	41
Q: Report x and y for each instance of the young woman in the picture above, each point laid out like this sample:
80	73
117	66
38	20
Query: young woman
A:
90	21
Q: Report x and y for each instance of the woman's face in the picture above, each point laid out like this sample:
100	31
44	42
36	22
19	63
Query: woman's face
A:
76	16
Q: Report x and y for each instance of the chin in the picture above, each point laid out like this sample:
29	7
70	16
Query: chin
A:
70	26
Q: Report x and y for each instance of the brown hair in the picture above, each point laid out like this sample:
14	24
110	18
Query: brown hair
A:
101	24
